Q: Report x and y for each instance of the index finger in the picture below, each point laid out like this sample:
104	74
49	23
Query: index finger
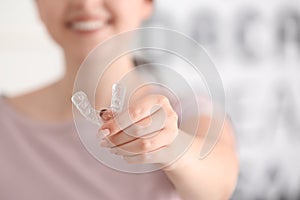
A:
137	112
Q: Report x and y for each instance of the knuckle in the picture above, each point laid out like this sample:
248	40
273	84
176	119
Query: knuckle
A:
172	116
145	145
161	100
135	113
172	134
174	130
131	132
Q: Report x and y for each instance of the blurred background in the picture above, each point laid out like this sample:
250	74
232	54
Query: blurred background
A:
255	44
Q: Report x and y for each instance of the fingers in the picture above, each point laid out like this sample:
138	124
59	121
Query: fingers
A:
159	156
106	114
141	110
165	155
142	145
138	130
150	157
148	125
145	129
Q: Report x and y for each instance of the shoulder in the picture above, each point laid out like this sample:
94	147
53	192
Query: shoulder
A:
32	104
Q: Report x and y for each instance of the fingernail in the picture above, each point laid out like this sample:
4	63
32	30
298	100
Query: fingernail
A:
113	151
103	127
106	114
99	135
102	111
104	132
104	143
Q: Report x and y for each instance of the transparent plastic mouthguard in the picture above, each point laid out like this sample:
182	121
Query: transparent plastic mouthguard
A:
82	103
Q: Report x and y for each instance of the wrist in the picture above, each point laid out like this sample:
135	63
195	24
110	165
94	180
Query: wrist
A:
188	158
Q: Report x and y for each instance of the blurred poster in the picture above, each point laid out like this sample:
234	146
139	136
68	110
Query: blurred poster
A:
256	48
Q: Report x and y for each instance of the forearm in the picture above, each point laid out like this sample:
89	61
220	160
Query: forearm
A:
212	178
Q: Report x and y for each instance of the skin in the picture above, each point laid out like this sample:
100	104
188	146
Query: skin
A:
211	178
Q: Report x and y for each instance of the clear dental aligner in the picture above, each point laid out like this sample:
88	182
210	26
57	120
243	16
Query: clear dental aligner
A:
117	99
82	103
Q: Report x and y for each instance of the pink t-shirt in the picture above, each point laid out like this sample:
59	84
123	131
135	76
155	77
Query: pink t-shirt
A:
48	161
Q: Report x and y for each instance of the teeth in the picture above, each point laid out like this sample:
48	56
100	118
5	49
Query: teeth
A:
87	25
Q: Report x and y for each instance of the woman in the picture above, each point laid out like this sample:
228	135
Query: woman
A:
41	156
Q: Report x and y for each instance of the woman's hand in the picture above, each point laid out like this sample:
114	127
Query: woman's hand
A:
144	132
148	133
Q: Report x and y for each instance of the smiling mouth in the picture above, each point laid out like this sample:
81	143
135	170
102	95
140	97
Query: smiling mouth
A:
87	26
